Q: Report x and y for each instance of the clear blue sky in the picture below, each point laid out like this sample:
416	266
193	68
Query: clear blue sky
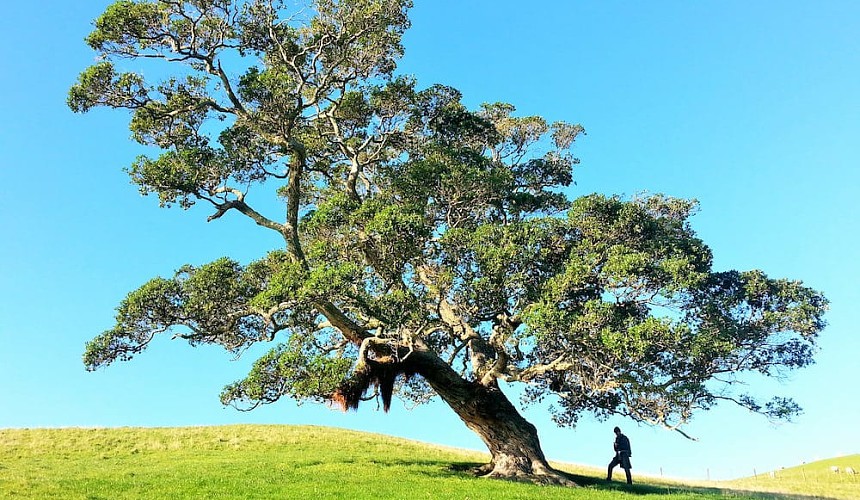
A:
751	107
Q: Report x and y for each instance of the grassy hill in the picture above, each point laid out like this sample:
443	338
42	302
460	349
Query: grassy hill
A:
815	478
306	462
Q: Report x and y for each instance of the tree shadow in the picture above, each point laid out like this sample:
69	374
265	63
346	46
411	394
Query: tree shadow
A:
645	488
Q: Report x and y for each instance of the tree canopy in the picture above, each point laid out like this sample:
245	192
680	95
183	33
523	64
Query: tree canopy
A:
428	248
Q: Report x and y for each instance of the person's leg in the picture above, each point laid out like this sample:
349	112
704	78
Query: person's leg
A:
612	465
629	477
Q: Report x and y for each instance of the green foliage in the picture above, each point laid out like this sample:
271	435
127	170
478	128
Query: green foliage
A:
285	282
335	278
271	95
134	28
417	232
209	302
127	23
399	231
176	176
504	266
100	85
375	28
175	117
637	295
332	214
290	370
145	311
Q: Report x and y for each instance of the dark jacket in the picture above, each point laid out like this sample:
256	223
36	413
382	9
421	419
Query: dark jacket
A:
622	445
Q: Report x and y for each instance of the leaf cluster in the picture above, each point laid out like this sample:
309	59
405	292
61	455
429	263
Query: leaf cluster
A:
645	328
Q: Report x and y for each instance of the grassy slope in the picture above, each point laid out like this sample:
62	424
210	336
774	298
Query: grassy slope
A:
279	462
814	478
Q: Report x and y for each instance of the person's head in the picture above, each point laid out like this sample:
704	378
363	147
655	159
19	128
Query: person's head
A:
617	430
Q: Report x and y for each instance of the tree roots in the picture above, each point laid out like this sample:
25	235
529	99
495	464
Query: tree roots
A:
542	475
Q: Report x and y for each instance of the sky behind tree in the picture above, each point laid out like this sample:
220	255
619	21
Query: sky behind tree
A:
753	108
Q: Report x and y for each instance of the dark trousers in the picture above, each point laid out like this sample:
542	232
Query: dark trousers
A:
622	460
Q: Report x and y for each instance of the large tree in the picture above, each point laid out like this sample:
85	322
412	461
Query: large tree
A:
428	248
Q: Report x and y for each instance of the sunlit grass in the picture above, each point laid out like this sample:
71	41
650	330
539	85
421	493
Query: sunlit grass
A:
277	462
815	478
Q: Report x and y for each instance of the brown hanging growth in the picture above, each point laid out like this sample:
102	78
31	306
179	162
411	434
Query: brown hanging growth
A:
379	373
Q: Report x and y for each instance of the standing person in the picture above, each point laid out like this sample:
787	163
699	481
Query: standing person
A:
622	456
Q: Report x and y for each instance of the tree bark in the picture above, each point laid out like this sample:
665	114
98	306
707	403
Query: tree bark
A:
512	441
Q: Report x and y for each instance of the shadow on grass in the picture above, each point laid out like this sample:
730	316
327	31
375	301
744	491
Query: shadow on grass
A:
438	468
644	488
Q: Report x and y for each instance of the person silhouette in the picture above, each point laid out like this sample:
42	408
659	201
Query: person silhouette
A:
622	456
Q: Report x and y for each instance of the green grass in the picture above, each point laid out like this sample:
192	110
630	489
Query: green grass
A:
266	462
814	478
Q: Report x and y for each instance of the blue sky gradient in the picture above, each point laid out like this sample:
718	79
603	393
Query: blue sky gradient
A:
753	108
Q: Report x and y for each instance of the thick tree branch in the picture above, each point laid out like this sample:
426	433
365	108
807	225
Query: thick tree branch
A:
240	205
298	162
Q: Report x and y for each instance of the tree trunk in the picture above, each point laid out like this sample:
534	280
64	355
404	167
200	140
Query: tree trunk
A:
512	441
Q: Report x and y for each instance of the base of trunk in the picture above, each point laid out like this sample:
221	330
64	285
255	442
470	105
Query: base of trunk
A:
539	474
511	440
